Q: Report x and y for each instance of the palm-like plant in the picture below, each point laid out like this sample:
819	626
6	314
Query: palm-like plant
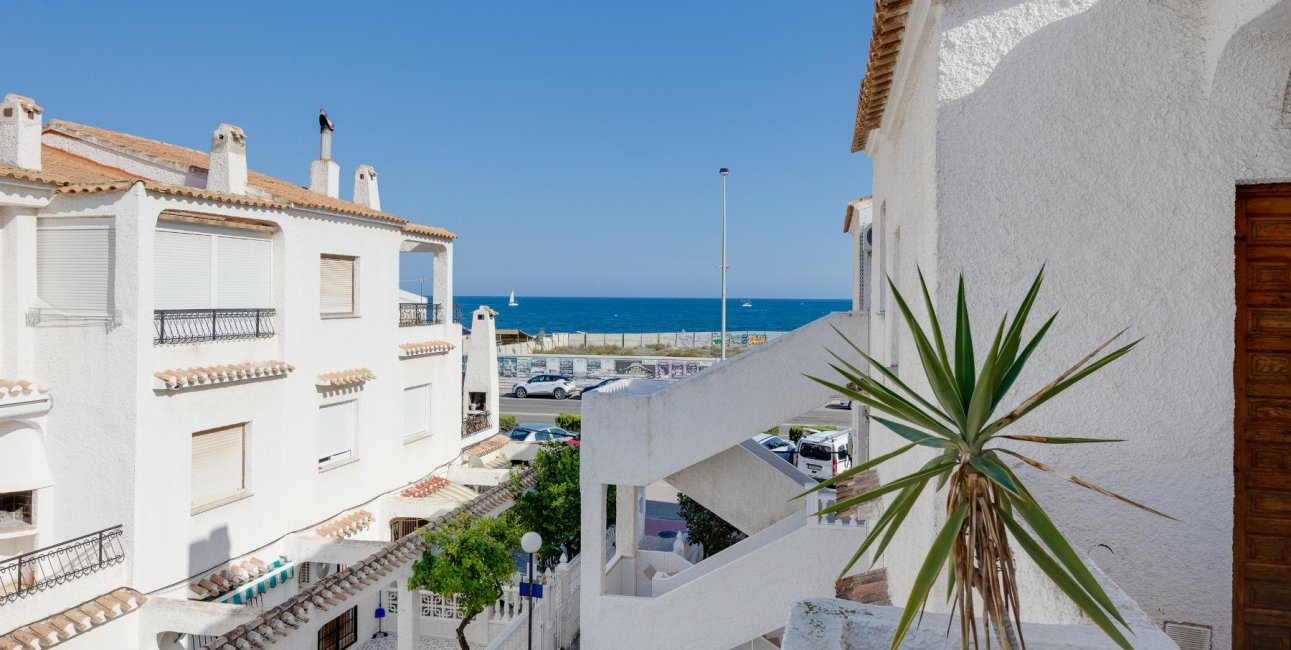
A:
986	501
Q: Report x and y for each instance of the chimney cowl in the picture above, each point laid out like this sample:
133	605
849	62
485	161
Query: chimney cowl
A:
366	193
227	171
20	127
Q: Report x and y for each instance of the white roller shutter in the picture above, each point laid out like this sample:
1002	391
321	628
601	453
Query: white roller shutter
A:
244	276
74	266
335	431
218	464
416	410
182	270
336	282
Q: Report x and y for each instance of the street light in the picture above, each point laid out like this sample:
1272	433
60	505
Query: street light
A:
530	543
724	172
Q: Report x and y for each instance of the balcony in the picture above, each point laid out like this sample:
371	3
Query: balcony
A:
198	325
412	314
474	423
54	565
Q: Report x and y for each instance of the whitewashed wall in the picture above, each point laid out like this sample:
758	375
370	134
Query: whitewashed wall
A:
1098	137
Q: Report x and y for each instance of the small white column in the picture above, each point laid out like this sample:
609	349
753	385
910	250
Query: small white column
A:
366	193
325	178
409	629
227	170
20	126
629	519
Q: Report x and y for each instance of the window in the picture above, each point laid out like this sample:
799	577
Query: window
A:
404	526
198	268
15	510
416	410
813	451
340	632
335	432
74	264
336	286
219	465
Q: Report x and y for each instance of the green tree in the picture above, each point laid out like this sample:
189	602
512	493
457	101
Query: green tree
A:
507	423
553	507
470	559
706	528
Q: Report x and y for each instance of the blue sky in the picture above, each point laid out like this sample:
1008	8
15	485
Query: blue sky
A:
573	146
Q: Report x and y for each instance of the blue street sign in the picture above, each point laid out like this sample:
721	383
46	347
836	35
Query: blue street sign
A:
524	590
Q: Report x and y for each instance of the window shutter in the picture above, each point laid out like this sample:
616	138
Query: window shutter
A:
416	410
337	285
244	276
74	267
182	270
218	463
335	431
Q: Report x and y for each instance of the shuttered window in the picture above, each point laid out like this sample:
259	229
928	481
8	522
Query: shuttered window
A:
74	265
416	410
244	273
335	432
219	464
336	285
182	270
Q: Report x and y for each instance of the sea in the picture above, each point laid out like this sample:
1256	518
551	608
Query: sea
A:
636	315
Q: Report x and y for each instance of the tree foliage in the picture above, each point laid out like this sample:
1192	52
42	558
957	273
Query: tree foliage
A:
570	422
706	528
507	423
470	559
553	507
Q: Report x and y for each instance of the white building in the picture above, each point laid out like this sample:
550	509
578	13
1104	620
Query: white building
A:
207	384
1142	151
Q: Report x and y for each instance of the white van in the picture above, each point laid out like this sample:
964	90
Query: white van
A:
823	454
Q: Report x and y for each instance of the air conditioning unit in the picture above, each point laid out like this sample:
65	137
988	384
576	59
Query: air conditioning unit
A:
1189	636
867	239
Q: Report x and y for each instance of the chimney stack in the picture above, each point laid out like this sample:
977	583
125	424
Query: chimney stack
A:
324	174
365	187
20	125
228	167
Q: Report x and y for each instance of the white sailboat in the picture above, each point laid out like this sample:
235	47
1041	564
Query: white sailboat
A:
746	303
512	302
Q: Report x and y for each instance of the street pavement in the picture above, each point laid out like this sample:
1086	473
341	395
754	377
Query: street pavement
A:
543	410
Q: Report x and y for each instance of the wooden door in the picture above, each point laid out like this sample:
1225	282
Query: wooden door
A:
1262	421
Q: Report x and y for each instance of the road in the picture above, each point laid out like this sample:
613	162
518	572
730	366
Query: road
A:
545	409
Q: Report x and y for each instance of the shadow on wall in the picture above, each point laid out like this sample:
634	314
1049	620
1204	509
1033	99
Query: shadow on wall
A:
209	554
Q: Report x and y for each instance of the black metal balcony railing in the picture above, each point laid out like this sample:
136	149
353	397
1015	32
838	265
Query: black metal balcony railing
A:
194	325
420	313
475	423
54	565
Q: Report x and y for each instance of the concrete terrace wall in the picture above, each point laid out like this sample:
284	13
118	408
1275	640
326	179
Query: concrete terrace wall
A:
1096	137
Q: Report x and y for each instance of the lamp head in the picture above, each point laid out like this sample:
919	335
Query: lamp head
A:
723	171
531	542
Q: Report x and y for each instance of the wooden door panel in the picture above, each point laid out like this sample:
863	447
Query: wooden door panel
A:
1262	419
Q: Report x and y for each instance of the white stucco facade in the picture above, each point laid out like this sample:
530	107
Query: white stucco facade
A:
1106	140
120	398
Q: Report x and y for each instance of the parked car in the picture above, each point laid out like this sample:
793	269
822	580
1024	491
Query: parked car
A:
542	433
823	454
593	387
558	386
776	445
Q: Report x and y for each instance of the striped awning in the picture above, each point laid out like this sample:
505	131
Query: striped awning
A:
278	573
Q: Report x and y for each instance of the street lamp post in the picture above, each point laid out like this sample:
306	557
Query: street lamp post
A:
530	543
724	172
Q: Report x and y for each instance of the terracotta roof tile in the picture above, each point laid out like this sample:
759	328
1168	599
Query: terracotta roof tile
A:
425	347
338	586
486	446
426	488
885	46
429	231
346	525
73	621
346	377
184	159
21	388
177	378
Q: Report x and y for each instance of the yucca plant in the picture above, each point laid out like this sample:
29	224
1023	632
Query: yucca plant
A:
986	502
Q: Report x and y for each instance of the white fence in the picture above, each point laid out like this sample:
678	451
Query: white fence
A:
555	615
637	340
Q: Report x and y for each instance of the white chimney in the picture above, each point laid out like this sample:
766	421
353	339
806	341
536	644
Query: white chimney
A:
228	166
365	187
20	125
324	173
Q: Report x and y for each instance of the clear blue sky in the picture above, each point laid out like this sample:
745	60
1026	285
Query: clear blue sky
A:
573	146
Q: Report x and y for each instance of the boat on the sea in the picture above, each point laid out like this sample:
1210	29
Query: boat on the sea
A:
746	303
512	302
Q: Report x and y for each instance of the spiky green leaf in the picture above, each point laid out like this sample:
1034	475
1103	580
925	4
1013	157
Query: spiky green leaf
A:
939	377
877	492
914	435
965	366
932	564
848	473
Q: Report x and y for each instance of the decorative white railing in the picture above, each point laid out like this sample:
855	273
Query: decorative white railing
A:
821	499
